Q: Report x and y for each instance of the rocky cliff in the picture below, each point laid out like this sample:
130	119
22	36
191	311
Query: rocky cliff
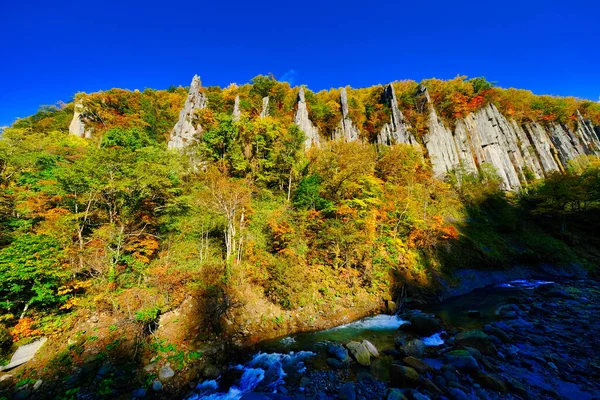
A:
77	126
187	129
518	151
303	121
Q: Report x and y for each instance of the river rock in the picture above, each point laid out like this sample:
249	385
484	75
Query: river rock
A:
401	376
422	325
493	382
372	349
499	333
157	386
474	314
338	351
396	394
211	372
139	393
478	340
419	365
415	348
166	373
360	353
462	360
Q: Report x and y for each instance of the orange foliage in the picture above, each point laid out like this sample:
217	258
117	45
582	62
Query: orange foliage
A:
25	328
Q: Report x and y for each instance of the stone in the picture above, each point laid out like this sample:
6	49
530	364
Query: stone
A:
211	372
335	363
37	384
396	394
462	360
474	314
401	376
419	365
415	348
347	391
187	130
301	119
457	394
478	340
474	352
338	351
157	386
166	373
24	354
138	393
372	349
360	353
492	382
499	333
420	396
78	123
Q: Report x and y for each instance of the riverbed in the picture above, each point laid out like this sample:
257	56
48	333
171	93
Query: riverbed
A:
519	339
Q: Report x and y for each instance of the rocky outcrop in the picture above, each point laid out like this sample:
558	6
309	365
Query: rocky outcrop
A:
346	129
186	129
236	115
518	152
397	131
77	126
303	121
439	141
264	112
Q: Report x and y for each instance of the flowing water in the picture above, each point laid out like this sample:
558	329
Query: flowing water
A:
286	358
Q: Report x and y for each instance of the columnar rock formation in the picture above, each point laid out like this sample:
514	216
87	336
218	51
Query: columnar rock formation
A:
186	129
346	130
397	131
77	126
236	115
302	120
265	107
517	151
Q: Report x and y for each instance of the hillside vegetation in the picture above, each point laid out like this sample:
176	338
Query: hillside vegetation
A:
119	225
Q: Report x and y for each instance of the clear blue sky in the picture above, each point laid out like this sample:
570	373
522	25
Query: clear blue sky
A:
51	50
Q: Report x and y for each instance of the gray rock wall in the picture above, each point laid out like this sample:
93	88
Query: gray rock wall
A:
77	126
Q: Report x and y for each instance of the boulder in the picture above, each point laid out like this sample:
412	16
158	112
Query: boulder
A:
360	353
372	349
478	340
415	348
338	351
396	394
499	333
335	363
419	365
492	382
462	360
401	376
166	373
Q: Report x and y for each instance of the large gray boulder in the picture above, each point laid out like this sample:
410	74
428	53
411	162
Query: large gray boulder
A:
360	353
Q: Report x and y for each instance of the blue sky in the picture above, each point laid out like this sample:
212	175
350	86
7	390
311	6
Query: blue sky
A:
51	50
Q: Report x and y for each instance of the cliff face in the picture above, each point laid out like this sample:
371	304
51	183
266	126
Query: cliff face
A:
186	130
77	126
516	151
